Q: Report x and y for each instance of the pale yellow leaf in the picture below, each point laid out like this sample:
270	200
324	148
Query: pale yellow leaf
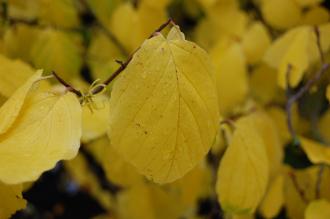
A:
243	172
164	110
47	129
10	110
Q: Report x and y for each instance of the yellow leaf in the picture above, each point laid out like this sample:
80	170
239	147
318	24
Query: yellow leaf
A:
95	120
193	186
62	13
274	198
297	57
315	16
243	172
46	130
11	200
271	139
281	14
263	83
103	9
156	4
102	54
231	74
13	74
219	23
316	152
255	42
318	209
22	9
299	188
58	51
307	3
15	39
131	206
10	110
164	110
116	168
142	22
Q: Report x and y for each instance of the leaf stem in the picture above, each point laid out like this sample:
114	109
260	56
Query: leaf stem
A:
67	85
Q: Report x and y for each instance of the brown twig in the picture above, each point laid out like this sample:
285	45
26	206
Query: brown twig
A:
318	42
293	98
121	68
67	85
296	185
319	181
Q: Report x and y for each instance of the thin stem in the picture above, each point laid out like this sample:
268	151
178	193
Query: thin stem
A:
319	181
295	97
296	185
318	42
67	85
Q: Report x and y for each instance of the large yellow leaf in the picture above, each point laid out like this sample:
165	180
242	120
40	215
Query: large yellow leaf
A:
243	172
316	152
13	74
58	51
163	108
46	130
318	209
11	200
